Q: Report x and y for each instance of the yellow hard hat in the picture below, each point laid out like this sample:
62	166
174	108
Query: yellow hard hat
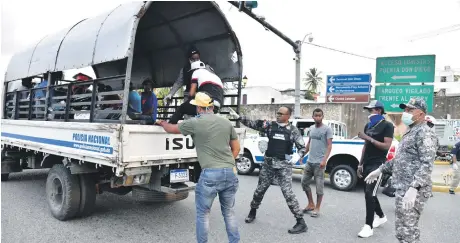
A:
202	100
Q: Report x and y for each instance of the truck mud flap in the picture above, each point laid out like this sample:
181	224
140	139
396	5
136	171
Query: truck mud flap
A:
10	165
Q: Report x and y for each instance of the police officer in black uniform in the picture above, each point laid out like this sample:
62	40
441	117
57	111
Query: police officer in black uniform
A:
278	163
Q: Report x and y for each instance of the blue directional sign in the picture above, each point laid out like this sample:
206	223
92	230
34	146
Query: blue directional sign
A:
349	78
346	88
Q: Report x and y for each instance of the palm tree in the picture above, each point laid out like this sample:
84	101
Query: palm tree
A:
313	80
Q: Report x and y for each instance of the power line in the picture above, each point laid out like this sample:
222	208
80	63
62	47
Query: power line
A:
332	49
437	32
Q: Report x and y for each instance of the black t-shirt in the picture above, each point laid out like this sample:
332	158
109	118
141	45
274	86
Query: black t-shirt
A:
373	155
456	151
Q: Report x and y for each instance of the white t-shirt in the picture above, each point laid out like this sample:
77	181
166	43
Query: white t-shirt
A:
202	76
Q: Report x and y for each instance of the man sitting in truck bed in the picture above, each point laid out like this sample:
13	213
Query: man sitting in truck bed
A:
149	102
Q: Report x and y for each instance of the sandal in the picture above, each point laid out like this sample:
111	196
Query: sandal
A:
308	210
315	214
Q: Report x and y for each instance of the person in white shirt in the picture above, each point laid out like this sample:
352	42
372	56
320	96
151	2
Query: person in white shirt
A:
203	80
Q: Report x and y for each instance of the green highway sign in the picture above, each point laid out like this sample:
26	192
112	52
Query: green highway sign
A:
405	69
392	96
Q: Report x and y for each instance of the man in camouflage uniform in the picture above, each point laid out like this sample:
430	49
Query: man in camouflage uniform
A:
411	168
278	164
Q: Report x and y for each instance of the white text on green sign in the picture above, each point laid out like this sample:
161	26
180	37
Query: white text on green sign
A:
392	96
406	69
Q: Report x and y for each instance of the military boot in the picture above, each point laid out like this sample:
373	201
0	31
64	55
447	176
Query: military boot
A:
251	216
300	227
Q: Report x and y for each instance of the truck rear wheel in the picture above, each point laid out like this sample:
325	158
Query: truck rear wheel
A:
343	178
245	165
145	195
88	195
5	177
63	192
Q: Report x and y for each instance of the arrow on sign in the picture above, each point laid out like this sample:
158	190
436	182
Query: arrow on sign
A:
331	89
332	79
330	98
403	77
394	105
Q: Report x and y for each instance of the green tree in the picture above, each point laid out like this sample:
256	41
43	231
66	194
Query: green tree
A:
313	80
309	95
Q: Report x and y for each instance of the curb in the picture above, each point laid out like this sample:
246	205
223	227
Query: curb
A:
438	162
437	186
443	189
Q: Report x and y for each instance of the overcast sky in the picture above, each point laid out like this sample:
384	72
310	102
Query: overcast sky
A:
370	28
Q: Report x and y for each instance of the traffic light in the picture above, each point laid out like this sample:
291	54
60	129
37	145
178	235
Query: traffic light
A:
248	4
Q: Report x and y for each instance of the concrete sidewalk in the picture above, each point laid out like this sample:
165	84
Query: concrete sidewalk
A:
442	177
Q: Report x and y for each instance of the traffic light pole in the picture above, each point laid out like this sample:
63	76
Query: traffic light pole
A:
297	45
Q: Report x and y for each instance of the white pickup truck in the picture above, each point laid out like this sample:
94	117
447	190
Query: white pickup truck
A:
341	165
106	151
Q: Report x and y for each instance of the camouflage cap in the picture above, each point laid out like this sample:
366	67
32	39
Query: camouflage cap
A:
415	103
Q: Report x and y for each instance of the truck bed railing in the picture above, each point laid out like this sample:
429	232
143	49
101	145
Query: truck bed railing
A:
66	102
84	101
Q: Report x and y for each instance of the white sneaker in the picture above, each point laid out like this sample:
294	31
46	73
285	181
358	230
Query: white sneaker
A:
366	231
379	221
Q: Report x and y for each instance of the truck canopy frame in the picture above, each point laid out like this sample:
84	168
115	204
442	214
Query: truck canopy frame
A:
135	41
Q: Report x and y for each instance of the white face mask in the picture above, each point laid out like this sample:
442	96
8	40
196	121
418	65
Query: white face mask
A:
282	124
407	118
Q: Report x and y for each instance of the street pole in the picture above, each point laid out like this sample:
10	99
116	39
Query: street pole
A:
298	59
298	56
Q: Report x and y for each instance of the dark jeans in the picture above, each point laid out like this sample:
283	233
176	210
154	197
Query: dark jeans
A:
370	194
184	108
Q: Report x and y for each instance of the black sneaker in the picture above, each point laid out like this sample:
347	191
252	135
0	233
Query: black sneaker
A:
251	216
299	227
451	191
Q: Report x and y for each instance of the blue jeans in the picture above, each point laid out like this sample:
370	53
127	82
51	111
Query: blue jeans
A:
224	182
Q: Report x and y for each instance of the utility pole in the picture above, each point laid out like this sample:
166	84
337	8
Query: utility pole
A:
297	58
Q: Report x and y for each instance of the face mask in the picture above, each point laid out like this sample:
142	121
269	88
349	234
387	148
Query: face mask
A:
407	118
281	124
371	115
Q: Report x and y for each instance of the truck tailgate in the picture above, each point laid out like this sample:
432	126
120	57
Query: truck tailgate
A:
151	145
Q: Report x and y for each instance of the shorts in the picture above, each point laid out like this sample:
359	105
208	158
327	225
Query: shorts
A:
308	173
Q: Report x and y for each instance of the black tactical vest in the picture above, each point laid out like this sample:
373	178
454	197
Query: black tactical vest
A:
279	141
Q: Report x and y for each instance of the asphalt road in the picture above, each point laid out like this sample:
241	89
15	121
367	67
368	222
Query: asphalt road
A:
26	218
